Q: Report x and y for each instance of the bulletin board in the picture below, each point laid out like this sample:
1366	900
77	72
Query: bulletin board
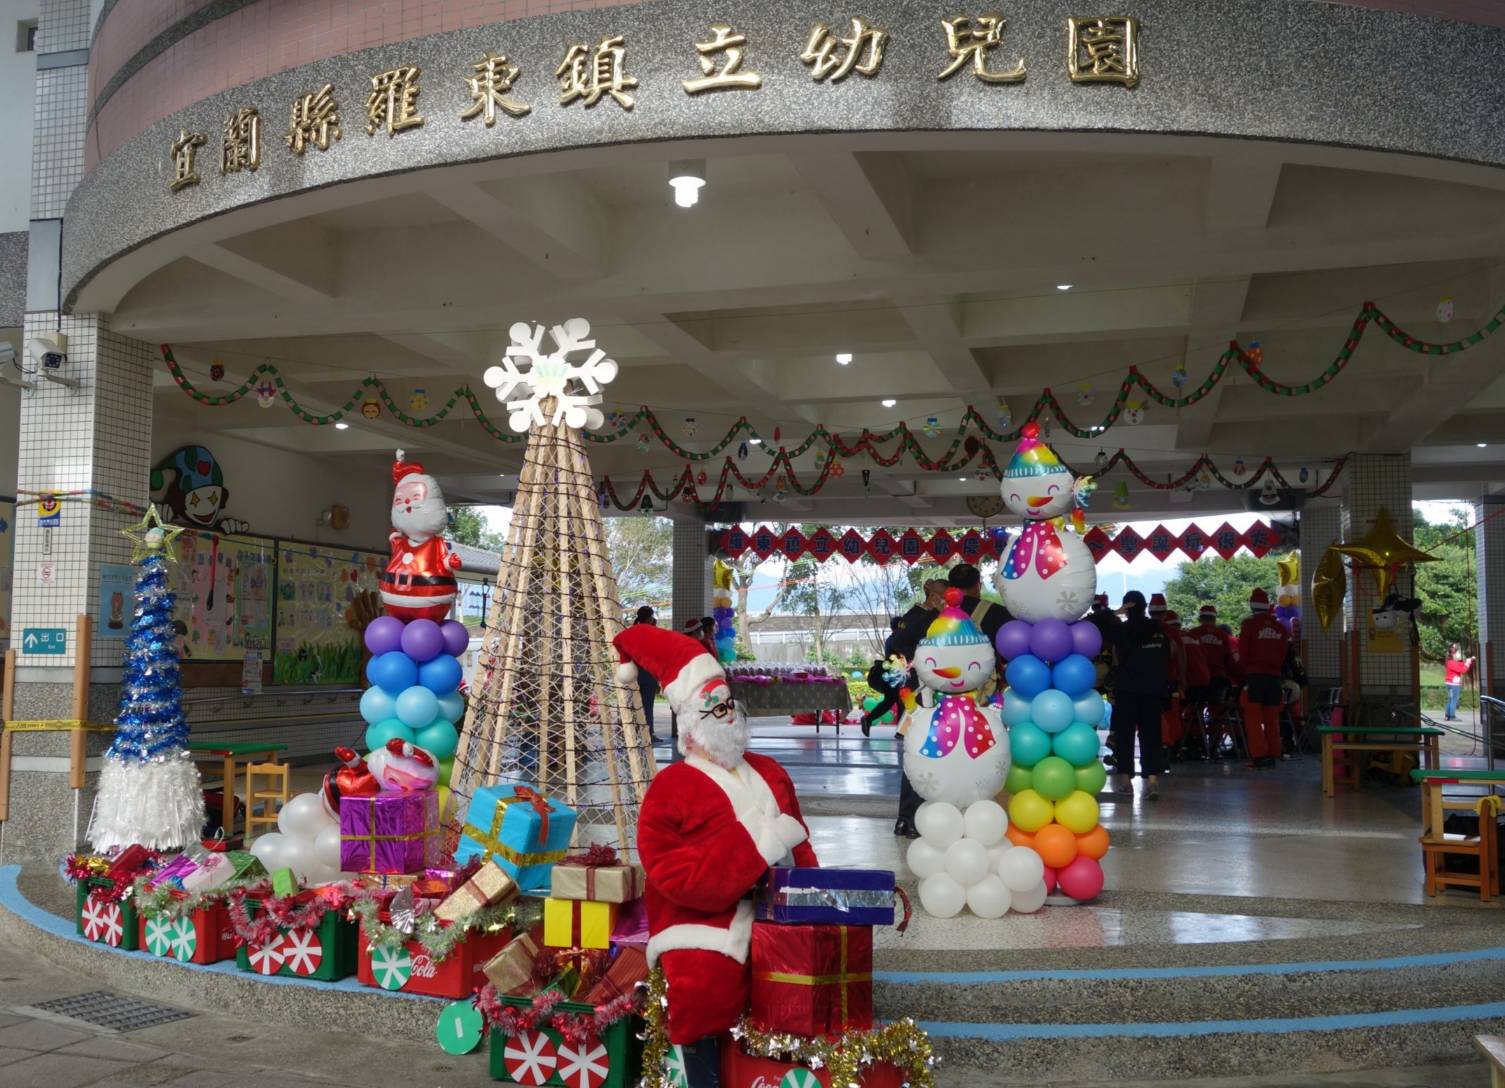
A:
224	595
315	584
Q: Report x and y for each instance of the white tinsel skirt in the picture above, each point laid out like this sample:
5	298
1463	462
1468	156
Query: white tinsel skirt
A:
159	805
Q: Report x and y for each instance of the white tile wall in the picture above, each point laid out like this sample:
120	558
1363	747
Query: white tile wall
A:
1377	481
1320	526
63	25
1489	547
57	150
690	577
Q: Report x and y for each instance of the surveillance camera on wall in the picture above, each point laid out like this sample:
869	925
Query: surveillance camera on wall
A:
50	352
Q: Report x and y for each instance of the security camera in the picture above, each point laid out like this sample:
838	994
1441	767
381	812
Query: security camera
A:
50	352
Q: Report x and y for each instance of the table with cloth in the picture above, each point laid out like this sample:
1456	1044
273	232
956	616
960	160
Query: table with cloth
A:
758	699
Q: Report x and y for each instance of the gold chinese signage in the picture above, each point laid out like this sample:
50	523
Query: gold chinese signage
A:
1099	49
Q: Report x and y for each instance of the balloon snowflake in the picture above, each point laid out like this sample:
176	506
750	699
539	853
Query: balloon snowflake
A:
529	376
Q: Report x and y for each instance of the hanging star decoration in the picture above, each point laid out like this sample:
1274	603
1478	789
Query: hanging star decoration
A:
1383	551
151	534
1329	587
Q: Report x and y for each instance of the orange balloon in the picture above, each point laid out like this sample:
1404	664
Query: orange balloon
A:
1020	838
1056	846
1094	844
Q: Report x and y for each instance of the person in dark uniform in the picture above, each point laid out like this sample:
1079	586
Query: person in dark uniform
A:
647	682
878	681
1141	681
904	643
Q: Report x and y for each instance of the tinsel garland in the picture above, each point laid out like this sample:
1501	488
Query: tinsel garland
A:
438	940
577	1029
175	903
95	867
150	725
902	1044
277	914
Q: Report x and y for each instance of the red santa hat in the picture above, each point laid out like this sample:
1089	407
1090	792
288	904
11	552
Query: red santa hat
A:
1207	612
1170	619
1100	599
1259	600
683	669
401	467
1157	603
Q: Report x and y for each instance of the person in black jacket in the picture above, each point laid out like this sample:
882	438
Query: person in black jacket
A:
878	681
904	643
1141	683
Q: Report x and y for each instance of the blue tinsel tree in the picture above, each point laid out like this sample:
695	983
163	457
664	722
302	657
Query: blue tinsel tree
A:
149	789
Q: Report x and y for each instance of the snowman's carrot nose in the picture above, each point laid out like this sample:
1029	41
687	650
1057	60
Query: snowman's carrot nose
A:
1039	500
948	674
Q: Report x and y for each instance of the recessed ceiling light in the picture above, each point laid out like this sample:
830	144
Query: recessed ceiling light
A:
1482	445
963	479
686	179
755	441
889	402
844	357
342	426
1063	287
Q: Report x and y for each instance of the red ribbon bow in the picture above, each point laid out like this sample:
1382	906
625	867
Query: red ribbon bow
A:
599	856
540	805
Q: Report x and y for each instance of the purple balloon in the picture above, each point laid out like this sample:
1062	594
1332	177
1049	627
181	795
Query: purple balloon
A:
1050	640
383	635
422	640
456	637
1013	639
1086	639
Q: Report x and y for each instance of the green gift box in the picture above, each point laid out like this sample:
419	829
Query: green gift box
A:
544	1058
105	919
327	951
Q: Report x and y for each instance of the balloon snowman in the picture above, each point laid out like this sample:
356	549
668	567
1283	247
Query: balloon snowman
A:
1050	705
954	758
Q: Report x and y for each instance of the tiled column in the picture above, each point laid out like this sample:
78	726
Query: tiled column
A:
691	561
1320	526
1376	482
1489	546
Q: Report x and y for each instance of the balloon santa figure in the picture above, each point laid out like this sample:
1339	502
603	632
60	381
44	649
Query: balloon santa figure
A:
1050	705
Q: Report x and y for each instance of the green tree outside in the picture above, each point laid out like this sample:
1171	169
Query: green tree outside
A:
1227	583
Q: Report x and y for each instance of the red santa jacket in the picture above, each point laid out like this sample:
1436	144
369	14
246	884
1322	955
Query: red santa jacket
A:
706	836
419	581
1217	651
1196	662
1262	645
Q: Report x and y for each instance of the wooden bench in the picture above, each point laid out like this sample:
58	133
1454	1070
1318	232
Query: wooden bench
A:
1493	1049
1373	738
1437	845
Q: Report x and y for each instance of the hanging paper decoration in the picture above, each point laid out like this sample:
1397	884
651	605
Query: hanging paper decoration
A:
371	408
1179	376
838	469
1239	468
778	495
1304	475
642	442
1005	416
216	371
691	428
778	434
418	400
1134	413
701	477
1100	462
1121	495
1445	310
867	477
743	451
1084	395
1269	494
1256	354
647	505
266	394
932	427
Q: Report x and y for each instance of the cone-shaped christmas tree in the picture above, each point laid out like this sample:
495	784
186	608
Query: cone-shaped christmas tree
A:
149	790
546	710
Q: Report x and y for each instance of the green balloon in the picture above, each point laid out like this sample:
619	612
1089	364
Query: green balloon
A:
1028	744
1092	778
1019	779
1054	778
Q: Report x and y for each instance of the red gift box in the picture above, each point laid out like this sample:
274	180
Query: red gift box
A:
455	976
741	1070
812	980
125	865
212	936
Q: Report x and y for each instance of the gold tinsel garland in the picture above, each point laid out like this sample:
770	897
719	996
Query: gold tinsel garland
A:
902	1044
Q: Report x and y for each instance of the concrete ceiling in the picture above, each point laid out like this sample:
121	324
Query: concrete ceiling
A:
933	259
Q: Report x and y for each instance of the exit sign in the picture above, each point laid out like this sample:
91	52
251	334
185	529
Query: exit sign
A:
44	640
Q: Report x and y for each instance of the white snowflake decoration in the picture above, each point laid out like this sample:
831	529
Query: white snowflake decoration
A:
528	375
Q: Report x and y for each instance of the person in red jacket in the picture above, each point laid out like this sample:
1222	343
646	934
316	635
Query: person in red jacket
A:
1172	722
1263	641
1198	692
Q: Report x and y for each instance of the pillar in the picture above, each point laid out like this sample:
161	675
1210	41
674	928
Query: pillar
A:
1375	482
1489	547
1321	524
690	570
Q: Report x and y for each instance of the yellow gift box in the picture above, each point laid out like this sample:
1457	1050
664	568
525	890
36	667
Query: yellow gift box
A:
578	923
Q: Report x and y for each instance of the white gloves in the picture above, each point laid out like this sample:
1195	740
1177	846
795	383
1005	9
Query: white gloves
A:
790	831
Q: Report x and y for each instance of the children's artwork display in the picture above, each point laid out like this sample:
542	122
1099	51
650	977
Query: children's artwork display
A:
315	585
224	589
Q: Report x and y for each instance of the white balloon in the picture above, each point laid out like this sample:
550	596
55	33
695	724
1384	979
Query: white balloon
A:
327	848
298	855
1021	869
1027	902
997	852
967	861
303	816
986	822
1065	594
941	896
268	850
924	859
956	777
988	898
940	823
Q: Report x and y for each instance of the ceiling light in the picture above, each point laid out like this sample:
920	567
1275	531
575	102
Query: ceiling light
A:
844	358
1482	445
890	402
1063	287
686	178
342	426
755	441
963	479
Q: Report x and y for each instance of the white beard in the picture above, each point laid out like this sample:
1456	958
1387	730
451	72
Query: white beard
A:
426	519
722	744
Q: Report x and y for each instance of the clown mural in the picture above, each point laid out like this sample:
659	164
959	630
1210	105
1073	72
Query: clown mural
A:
191	484
1048	572
419	582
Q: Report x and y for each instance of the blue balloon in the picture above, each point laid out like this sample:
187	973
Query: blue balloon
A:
376	706
1089	708
441	675
1051	710
417	707
377	735
1027	675
1015	708
1074	675
452	706
439	740
393	671
1028	744
1077	744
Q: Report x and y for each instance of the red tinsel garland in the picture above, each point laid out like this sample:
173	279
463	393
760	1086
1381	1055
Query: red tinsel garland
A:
275	914
577	1029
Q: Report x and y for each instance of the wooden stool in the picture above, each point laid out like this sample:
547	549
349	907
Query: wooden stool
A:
1436	846
273	794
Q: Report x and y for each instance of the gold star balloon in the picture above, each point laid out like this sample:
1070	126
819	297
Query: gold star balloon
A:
1329	586
151	534
1290	569
1383	551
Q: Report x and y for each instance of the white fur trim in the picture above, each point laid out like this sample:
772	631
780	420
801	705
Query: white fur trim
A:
733	941
691	679
753	803
627	673
407	600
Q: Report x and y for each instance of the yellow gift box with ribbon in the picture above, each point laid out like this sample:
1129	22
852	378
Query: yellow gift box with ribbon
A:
578	923
521	830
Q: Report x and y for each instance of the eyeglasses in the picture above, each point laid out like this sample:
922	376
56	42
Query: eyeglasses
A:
721	710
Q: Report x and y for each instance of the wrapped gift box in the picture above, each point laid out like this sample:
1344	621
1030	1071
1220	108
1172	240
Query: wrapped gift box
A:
325	952
576	923
105	919
490	885
613	1061
812	980
390	832
408	968
574	879
852	897
742	1070
204	935
221	868
512	967
627	968
518	828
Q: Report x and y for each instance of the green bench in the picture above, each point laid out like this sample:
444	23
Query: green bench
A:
1373	738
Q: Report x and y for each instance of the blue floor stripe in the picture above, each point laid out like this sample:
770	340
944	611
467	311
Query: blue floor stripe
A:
1392	963
1007	1033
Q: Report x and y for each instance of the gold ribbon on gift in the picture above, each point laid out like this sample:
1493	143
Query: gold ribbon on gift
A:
58	725
492	843
371	838
841	979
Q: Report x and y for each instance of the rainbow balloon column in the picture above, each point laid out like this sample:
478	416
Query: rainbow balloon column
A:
415	676
723	613
1052	713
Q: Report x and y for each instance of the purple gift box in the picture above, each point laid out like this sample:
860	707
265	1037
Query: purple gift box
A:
850	897
390	833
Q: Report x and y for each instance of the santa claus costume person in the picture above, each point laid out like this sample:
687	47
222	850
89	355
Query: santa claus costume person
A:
418	583
709	828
